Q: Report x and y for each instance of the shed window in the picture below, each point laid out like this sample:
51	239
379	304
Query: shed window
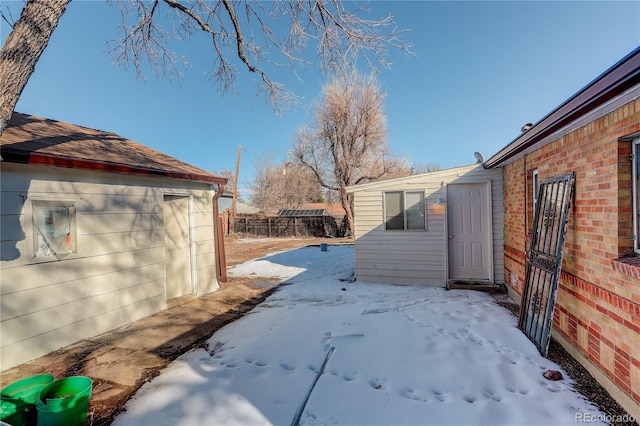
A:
636	194
53	228
404	210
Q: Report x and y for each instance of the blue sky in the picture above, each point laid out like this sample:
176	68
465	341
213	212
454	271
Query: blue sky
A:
481	71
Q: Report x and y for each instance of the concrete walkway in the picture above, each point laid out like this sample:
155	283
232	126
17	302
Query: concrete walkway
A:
120	361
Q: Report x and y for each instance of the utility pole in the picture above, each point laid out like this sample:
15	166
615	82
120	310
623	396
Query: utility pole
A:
235	188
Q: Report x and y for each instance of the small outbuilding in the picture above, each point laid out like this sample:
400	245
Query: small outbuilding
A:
554	216
431	229
97	231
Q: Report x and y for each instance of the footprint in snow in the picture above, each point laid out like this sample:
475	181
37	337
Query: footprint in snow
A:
440	396
411	394
286	366
548	386
470	398
491	395
349	377
378	384
514	389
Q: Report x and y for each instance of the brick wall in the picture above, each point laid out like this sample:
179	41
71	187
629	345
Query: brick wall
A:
598	301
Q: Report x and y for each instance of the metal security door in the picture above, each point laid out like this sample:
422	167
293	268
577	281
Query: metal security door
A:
544	259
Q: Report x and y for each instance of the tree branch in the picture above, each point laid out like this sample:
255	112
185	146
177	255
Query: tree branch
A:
239	36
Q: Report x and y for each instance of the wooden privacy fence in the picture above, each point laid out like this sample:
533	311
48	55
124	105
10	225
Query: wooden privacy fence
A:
278	226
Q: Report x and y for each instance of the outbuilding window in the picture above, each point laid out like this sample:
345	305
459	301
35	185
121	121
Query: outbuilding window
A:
53	228
404	210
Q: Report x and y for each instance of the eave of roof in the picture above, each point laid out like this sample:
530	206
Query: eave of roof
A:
83	164
437	174
38	141
618	79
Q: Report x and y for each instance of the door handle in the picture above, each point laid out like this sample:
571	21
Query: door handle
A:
450	236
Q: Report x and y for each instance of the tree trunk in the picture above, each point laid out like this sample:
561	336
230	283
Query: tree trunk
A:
347	204
22	49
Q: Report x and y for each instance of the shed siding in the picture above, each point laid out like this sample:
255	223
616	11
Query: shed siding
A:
598	306
417	257
117	274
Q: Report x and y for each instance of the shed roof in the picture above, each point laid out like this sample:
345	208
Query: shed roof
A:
36	140
621	80
419	178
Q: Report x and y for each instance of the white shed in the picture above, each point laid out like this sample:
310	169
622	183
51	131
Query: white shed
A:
432	228
97	231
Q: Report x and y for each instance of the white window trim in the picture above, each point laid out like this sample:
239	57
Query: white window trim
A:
404	210
38	202
635	158
535	182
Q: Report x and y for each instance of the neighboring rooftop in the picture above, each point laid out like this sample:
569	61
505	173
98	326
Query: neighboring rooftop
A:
302	212
331	208
30	139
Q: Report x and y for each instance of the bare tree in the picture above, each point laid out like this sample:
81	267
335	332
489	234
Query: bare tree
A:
228	174
283	186
419	168
244	30
347	142
300	186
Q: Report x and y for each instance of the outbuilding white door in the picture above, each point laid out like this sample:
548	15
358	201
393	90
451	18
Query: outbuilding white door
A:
177	243
469	229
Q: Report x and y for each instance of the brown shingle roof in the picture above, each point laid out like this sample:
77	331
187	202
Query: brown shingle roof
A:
36	140
331	208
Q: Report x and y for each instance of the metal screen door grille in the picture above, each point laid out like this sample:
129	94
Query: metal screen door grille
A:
544	259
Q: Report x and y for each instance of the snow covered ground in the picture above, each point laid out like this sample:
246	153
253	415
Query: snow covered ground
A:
322	350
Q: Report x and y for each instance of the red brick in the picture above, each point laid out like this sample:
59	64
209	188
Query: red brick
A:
596	291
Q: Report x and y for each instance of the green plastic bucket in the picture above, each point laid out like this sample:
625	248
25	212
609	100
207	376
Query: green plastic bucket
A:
64	402
18	400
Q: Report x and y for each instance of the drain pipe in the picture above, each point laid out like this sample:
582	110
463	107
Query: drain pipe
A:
218	236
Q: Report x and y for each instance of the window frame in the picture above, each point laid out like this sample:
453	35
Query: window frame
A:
635	178
536	183
38	235
405	210
532	183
